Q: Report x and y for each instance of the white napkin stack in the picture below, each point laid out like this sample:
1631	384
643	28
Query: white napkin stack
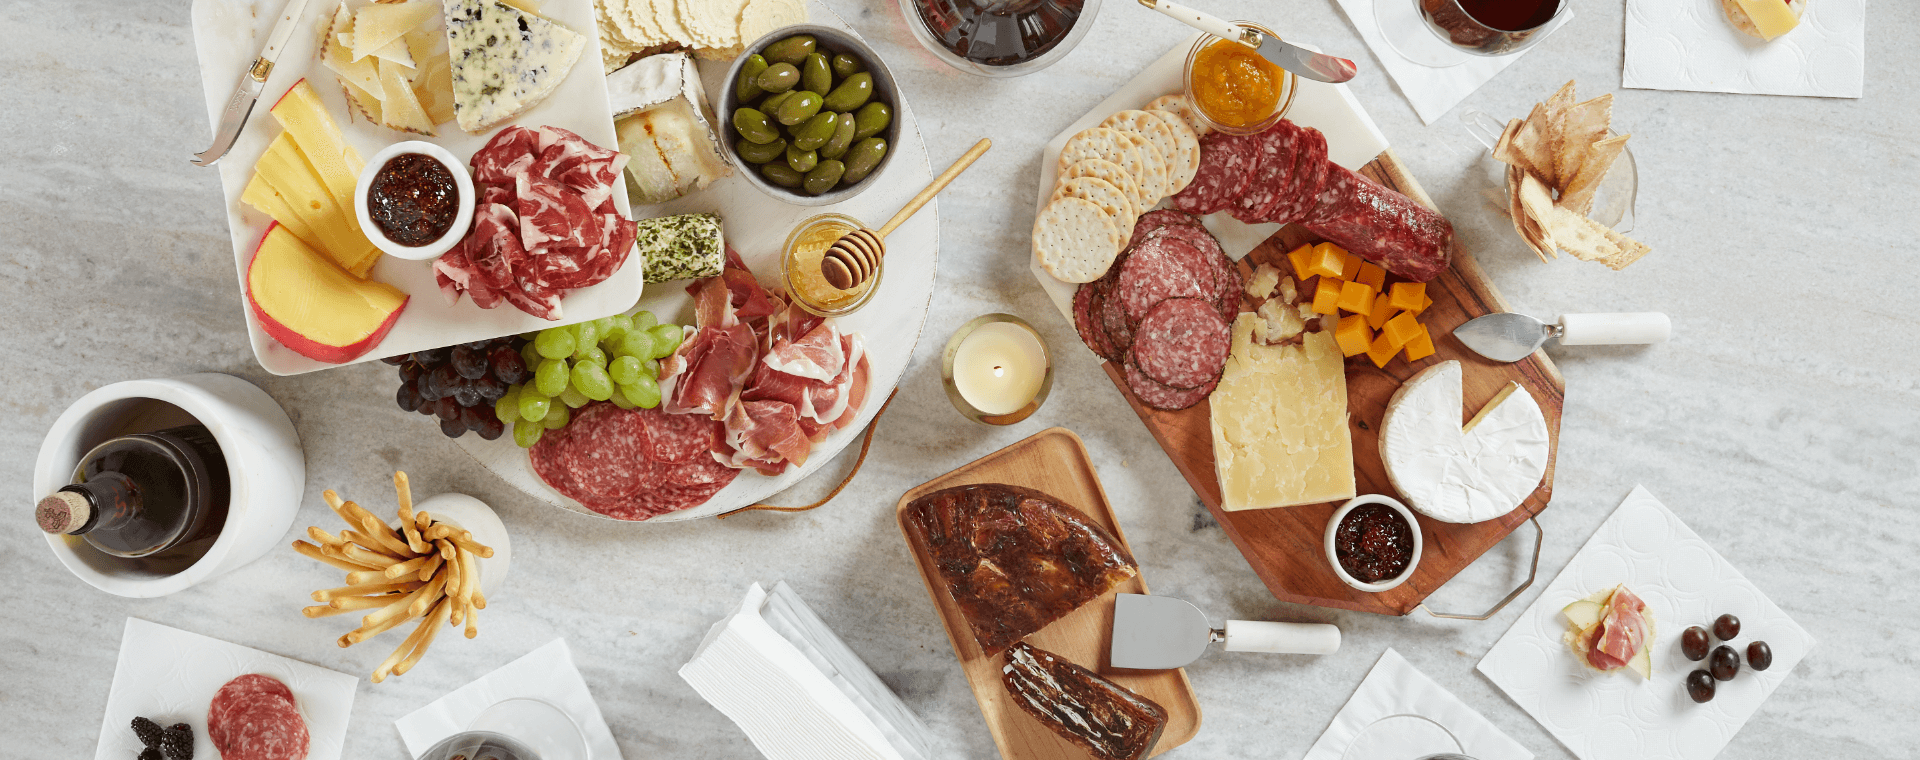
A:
1690	45
797	691
1432	92
1399	712
546	674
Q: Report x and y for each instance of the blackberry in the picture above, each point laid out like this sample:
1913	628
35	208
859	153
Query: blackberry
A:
150	754
178	743
148	731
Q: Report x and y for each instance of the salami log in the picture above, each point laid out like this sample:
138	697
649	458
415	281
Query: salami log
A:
1183	343
1279	147
1226	164
254	717
1382	226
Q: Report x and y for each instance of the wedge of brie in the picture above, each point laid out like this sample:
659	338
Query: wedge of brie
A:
1462	474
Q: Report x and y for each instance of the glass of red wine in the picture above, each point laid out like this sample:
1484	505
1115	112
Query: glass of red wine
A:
999	38
1443	33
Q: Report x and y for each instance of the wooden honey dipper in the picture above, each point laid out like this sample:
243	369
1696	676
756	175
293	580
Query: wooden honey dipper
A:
856	255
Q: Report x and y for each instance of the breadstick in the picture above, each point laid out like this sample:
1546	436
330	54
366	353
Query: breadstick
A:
465	541
379	587
362	576
422	520
438	531
390	542
322	537
406	647
339	553
346	603
364	541
431	628
365	631
432	566
403	569
368	557
401	607
403	490
321	610
435	589
339	507
473	617
314	552
446	548
469	579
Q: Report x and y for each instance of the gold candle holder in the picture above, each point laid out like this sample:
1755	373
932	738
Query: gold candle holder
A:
996	368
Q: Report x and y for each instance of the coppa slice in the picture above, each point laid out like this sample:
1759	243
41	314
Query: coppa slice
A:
1076	703
1182	343
1014	559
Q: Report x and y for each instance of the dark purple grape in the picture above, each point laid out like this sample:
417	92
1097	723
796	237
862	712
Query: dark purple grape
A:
453	428
444	380
468	394
424	386
447	408
470	363
471	416
407	397
430	356
491	388
490	427
1759	655
509	366
1724	663
478	343
429	408
1726	628
411	372
394	360
1694	644
1700	686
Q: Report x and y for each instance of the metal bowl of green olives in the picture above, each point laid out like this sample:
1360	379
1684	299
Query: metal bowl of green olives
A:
809	115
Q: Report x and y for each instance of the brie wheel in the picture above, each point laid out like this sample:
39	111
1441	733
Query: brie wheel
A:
1462	474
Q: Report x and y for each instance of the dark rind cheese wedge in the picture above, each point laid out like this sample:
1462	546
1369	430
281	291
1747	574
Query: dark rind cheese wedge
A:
1093	712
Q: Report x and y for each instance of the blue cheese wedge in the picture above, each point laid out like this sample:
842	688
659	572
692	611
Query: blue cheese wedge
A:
504	60
683	247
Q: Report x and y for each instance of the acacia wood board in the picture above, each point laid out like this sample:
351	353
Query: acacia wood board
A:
1054	462
1286	546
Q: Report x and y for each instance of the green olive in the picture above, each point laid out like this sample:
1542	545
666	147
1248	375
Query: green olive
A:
863	157
815	74
759	153
801	107
845	66
871	119
816	131
779	77
852	93
745	88
772	103
754	126
824	177
801	160
842	137
791	50
780	174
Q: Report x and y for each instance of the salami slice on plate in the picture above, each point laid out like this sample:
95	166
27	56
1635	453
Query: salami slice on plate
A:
254	717
1183	343
1160	269
1158	396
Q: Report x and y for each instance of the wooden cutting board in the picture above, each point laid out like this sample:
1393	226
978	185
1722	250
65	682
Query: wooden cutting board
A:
1054	462
1286	546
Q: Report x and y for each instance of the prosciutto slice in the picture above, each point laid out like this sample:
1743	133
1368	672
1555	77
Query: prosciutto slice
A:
1621	633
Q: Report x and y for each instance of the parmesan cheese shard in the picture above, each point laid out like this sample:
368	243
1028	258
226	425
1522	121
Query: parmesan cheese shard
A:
378	26
504	60
1280	422
401	108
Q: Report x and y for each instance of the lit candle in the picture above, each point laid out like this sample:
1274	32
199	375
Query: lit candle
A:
999	368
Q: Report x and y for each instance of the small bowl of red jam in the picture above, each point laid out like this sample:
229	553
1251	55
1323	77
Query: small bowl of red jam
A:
414	200
1373	543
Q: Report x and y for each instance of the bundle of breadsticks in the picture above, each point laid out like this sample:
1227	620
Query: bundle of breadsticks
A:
426	570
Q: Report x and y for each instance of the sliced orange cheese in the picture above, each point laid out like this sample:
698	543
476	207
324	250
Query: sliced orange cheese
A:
1353	335
1327	260
1421	347
1356	297
313	306
1400	330
338	230
1407	295
1326	296
1372	274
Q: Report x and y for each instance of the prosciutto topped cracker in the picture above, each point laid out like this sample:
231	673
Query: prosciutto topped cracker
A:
1611	630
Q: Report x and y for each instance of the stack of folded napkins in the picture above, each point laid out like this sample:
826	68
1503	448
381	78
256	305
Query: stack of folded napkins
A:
796	690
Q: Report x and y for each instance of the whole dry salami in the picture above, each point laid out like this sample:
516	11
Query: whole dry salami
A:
1226	163
1387	228
1183	343
1159	396
254	717
1279	146
1161	268
1336	192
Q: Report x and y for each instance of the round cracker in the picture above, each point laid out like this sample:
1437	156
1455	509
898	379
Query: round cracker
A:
1112	145
1075	240
1178	105
1153	174
1186	150
760	17
1100	193
1114	175
1150	125
667	16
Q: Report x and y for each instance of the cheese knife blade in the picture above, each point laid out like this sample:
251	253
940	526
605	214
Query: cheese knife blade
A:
1509	337
1301	61
1162	633
239	106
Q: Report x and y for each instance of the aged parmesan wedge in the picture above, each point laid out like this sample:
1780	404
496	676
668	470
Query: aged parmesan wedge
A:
379	25
1455	473
433	86
401	110
1280	422
505	60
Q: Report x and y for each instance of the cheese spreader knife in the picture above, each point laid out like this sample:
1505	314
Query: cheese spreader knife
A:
1161	633
1509	337
240	104
1299	60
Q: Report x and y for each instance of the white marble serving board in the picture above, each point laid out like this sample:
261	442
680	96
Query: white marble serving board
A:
230	33
170	676
1609	716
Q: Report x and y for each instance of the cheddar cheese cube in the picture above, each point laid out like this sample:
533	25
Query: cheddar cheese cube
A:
1381	351
1327	260
1401	329
1353	335
1420	347
1301	258
1350	269
1326	296
1356	297
1425	301
1372	274
1408	295
1382	311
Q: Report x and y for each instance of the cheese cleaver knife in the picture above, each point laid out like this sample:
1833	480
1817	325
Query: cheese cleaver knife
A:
1161	633
1508	337
233	116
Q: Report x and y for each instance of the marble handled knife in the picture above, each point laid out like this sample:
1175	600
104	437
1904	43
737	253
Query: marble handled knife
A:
240	105
1299	60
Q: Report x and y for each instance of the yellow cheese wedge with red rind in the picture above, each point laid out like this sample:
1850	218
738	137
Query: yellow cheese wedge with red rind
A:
264	199
287	171
310	305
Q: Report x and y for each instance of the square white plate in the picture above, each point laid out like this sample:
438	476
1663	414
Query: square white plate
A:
229	33
170	676
1602	716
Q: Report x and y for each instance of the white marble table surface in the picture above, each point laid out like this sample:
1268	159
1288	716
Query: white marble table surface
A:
1782	423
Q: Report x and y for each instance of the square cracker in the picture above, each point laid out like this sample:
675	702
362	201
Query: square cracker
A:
1580	127
1579	192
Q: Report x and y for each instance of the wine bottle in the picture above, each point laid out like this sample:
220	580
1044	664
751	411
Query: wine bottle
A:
144	494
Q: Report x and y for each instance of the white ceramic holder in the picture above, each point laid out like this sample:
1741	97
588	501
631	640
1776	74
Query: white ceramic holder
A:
1333	525
461	180
471	514
265	465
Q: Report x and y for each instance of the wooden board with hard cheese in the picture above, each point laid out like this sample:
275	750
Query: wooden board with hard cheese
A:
1055	463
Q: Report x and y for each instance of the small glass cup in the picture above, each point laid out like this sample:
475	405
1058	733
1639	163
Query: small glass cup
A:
1288	85
960	401
800	266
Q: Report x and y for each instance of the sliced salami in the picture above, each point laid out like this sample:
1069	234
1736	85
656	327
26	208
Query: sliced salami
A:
1161	217
1161	268
1226	163
618	462
677	438
1113	318
1309	171
1159	396
1280	145
254	717
1387	228
1088	300
1227	279
1183	343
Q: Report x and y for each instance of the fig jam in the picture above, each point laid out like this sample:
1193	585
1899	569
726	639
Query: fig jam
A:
413	200
1374	543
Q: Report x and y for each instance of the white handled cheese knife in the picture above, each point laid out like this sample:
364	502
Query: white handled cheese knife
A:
1508	337
1299	60
1161	633
240	104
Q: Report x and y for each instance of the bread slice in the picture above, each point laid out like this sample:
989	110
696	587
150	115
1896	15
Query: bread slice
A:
1108	720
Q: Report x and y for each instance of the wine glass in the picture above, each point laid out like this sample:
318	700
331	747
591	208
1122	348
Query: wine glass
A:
1445	33
536	723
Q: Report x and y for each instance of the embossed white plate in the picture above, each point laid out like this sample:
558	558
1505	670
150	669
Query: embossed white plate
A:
170	676
1602	716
